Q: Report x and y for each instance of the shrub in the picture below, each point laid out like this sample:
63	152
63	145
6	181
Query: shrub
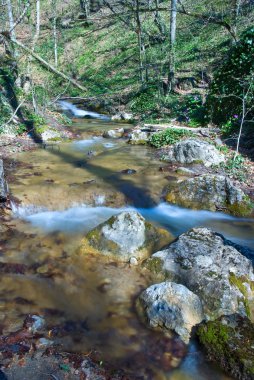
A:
230	82
168	137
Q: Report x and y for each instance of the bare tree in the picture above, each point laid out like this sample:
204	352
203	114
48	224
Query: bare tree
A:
172	40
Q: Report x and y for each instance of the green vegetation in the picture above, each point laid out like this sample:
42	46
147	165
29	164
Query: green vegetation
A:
168	137
233	80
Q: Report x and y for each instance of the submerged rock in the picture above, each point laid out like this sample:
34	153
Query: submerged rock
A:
194	151
124	236
210	192
229	342
171	306
3	185
114	133
212	269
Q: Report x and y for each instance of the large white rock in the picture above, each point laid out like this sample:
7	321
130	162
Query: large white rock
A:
172	306
194	150
213	269
125	236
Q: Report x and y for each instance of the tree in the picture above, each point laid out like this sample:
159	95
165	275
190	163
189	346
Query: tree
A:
172	40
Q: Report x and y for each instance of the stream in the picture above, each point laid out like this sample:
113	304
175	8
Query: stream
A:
58	194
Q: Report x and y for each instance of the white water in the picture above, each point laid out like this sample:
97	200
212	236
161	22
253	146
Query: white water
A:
66	106
177	220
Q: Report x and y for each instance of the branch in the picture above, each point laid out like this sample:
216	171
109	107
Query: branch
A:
13	115
48	65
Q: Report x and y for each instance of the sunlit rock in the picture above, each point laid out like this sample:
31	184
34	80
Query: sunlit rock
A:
171	306
213	269
194	151
114	133
125	236
210	192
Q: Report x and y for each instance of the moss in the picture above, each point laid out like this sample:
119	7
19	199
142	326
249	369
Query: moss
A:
229	342
155	265
239	283
215	335
242	208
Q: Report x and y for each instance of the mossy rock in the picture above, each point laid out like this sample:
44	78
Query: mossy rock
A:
229	341
124	236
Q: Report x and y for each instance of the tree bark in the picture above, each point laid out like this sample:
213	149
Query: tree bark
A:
172	40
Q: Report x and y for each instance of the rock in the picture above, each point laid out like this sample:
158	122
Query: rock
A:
139	137
38	324
172	307
122	116
128	171
124	236
229	342
210	267
192	151
3	185
114	133
210	192
185	171
50	134
133	261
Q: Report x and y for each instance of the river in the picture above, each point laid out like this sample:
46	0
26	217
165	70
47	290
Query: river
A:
63	191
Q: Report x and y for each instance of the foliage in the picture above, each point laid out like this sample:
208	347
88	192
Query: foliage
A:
192	111
231	81
145	101
168	137
236	168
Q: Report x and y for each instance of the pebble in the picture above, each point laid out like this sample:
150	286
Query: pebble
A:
133	261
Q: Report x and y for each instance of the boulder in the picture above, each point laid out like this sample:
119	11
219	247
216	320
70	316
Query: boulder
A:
194	151
229	342
210	192
211	268
125	236
139	137
171	306
114	133
3	185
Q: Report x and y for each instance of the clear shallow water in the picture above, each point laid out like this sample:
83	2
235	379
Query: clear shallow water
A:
62	193
177	220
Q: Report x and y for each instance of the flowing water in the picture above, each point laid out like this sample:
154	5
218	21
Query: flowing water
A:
63	191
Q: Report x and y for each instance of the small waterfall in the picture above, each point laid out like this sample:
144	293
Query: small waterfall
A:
66	106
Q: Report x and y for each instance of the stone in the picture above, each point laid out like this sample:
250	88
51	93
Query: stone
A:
133	261
210	192
3	184
122	116
229	341
213	269
194	151
38	324
123	236
171	306
50	134
139	137
114	133
185	171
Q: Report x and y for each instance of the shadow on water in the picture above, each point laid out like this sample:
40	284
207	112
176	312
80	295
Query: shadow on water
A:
138	196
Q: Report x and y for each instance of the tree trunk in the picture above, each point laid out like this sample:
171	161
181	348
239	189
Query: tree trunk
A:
141	46
54	4
172	39
85	6
49	66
